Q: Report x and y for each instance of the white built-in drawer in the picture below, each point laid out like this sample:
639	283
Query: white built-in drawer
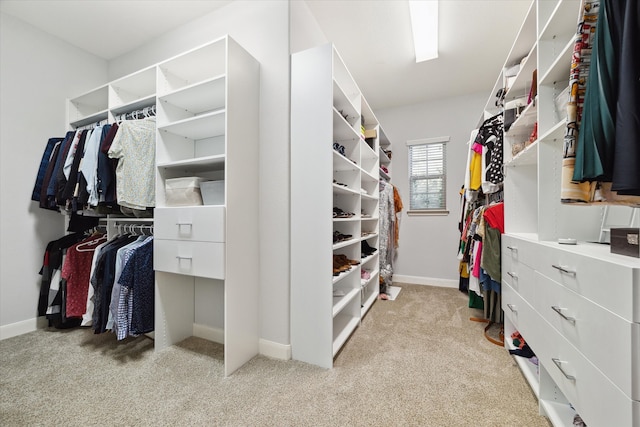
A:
614	286
202	259
610	342
520	277
596	398
521	315
517	250
199	223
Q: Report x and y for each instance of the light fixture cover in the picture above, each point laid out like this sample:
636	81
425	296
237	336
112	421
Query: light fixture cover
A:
424	25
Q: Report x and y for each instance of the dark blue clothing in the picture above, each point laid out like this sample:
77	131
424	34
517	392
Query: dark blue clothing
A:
138	275
44	162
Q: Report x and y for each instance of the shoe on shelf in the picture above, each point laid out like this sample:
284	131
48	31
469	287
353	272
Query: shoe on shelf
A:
339	237
364	274
339	213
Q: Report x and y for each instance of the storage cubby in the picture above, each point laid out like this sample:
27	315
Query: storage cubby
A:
89	108
133	92
191	68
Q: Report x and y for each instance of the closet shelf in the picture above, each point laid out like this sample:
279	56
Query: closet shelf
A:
339	189
343	275
91	119
345	243
343	131
206	125
341	102
199	97
339	303
343	326
342	163
560	68
526	119
522	82
138	104
197	164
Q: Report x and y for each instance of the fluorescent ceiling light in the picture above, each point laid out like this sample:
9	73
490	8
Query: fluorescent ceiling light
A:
424	23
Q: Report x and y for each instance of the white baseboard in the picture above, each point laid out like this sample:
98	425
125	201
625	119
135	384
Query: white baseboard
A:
417	280
275	350
267	348
208	333
23	327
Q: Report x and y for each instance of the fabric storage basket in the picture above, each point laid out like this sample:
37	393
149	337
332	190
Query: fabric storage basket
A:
183	191
212	192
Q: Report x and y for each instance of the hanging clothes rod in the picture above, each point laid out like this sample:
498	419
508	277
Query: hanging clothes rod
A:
138	114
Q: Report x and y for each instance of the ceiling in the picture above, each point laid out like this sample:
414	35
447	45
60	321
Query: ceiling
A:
373	38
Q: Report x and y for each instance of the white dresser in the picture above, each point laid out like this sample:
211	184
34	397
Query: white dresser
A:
578	308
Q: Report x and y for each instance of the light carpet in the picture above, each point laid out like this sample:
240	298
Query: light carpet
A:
417	361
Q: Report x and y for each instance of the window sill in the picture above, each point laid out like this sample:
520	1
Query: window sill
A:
432	212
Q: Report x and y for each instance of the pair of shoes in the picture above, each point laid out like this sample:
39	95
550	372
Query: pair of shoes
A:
364	274
339	213
339	183
339	237
341	264
365	249
339	148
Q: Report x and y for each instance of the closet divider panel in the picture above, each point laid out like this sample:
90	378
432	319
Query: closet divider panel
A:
242	203
311	206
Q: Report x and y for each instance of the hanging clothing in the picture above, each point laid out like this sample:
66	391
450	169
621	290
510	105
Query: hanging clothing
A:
572	192
76	271
490	138
50	302
42	170
610	127
134	147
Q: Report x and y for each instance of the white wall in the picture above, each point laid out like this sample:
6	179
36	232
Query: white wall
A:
304	30
428	244
262	28
37	74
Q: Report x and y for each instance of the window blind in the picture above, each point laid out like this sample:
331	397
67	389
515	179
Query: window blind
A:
427	176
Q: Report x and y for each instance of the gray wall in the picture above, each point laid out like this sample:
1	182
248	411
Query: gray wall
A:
38	73
428	244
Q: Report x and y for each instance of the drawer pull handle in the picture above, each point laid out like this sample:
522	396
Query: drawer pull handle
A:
559	363
180	224
180	258
563	269
512	308
558	310
512	274
512	248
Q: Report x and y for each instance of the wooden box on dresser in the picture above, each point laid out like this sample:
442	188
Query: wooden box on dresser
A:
327	108
576	306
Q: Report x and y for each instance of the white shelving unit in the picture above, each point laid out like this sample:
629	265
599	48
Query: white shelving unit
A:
207	104
326	108
556	295
208	127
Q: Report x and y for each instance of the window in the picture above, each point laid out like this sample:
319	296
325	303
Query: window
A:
428	176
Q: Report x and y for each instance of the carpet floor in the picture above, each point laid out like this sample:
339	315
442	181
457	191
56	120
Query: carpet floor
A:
415	361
